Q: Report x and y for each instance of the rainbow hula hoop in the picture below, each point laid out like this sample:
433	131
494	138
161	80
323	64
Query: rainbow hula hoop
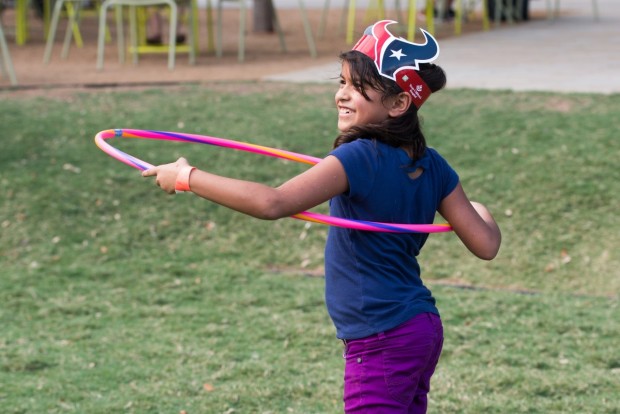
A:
103	136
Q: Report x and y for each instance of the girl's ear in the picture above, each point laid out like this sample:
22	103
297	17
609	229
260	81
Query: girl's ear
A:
400	104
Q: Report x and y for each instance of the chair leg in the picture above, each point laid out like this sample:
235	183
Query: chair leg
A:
307	29
210	35
324	15
120	36
218	30
101	36
21	22
550	11
6	62
133	33
72	29
241	49
278	27
411	23
498	12
399	12
342	24
49	44
486	25
172	40
411	16
595	9
430	17
518	12
74	16
350	22
194	32
458	18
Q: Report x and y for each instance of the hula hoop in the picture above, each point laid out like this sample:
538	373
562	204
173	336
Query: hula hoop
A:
103	136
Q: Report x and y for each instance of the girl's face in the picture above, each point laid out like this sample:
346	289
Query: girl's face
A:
353	107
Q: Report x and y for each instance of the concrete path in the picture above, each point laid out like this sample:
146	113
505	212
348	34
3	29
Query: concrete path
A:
573	53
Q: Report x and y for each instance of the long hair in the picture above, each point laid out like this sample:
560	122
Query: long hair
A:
403	131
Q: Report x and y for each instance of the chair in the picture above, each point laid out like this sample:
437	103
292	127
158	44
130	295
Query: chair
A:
376	8
171	48
138	22
6	64
276	24
73	12
429	12
21	22
466	9
554	12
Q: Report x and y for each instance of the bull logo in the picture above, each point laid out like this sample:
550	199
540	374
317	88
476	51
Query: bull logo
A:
392	54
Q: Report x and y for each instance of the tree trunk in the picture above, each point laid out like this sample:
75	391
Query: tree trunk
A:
263	16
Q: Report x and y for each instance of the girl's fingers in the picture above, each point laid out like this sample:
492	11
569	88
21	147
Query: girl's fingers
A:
149	172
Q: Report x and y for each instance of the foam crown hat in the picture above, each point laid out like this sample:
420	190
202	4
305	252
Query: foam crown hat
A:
398	59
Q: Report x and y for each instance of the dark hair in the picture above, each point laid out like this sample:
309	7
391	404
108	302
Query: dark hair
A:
403	131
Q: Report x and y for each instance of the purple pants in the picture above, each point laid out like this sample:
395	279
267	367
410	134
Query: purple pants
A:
390	372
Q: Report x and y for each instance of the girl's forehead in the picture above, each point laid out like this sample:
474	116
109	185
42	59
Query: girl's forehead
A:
345	71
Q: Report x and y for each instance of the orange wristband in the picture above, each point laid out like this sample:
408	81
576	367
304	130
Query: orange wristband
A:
182	183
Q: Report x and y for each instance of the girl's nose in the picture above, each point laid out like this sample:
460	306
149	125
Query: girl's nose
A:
342	94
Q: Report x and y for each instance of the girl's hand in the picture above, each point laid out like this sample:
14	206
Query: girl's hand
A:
166	174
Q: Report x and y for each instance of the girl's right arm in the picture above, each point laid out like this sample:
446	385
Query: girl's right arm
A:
472	222
310	188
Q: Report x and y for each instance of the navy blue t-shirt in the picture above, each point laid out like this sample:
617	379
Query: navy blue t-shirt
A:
373	279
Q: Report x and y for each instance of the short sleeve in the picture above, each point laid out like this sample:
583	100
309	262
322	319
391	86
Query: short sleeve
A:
360	161
448	176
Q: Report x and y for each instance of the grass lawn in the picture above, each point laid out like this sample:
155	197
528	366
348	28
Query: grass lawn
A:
115	297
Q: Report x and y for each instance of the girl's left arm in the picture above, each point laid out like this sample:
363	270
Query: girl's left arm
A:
309	189
473	223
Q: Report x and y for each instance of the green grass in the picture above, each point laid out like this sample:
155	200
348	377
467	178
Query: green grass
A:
115	297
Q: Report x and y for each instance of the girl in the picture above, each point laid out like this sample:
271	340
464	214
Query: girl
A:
380	170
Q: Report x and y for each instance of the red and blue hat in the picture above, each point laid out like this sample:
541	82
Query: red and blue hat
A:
398	59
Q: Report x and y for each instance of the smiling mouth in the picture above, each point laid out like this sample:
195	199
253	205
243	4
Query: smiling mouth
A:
344	111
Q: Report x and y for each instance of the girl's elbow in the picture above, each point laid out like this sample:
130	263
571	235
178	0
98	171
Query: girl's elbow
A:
487	254
269	214
270	209
490	249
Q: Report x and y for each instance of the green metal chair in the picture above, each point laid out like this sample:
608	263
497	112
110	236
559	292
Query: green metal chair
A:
132	4
72	8
276	24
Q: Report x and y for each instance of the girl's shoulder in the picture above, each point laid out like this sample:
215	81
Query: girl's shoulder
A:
433	155
358	146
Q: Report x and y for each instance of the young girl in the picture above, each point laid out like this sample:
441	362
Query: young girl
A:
380	170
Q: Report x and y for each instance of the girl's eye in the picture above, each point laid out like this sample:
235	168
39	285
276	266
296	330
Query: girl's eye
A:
342	81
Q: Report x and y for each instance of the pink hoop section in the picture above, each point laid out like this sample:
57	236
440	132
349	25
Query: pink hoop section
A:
102	137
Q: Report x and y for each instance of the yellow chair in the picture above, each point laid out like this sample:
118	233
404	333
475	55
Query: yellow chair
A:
21	22
461	11
138	18
171	48
464	9
6	64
